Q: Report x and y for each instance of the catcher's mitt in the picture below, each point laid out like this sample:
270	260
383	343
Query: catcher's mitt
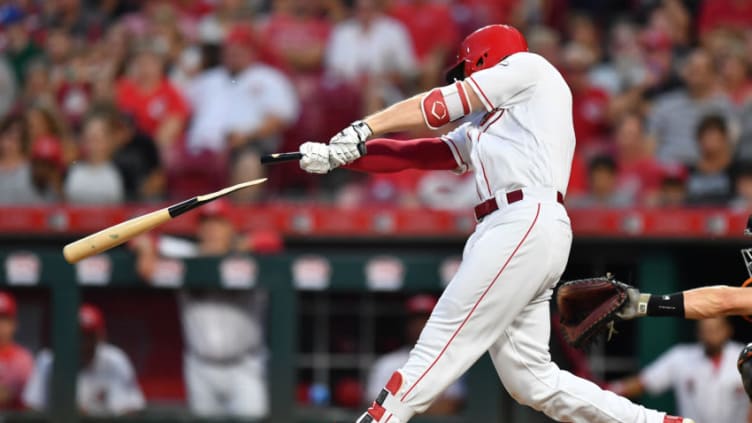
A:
588	307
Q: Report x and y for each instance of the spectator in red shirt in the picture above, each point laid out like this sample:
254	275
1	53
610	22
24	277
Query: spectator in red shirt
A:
433	32
640	173
155	104
16	362
295	37
730	14
589	103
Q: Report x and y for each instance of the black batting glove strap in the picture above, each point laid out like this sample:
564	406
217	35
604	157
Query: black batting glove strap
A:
362	129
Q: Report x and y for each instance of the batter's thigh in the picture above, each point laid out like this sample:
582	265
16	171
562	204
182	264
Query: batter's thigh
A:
521	357
248	396
503	270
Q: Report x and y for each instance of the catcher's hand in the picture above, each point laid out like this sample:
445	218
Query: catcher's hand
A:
590	306
745	368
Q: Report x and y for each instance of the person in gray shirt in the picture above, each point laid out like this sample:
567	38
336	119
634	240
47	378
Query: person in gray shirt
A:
15	173
675	115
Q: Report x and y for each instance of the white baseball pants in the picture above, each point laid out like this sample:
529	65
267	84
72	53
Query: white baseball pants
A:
498	302
218	390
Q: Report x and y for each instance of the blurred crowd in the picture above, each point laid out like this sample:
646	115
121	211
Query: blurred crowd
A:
115	101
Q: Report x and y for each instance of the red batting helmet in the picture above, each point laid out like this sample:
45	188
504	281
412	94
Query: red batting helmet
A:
485	48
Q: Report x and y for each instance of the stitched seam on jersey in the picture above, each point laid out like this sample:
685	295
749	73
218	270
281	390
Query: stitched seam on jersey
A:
488	125
482	167
484	99
455	152
543	381
477	303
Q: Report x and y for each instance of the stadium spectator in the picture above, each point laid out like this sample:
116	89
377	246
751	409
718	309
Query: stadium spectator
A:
743	184
242	107
8	87
603	192
703	376
675	115
95	179
295	37
589	103
106	384
156	106
16	362
673	191
434	36
546	42
225	356
226	15
15	172
84	23
418	310
640	173
711	180
20	49
43	121
47	169
735	76
734	15
374	51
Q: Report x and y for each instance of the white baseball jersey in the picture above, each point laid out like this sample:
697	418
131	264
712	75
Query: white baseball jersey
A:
224	103
705	390
106	387
525	138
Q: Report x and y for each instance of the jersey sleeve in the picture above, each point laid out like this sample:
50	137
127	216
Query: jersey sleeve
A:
658	376
509	83
458	142
37	387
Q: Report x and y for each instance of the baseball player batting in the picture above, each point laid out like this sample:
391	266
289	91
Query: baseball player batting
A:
519	141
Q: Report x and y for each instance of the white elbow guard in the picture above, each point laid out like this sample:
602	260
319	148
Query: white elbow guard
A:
443	105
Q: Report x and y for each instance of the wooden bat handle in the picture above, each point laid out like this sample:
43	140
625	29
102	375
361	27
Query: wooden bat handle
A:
113	236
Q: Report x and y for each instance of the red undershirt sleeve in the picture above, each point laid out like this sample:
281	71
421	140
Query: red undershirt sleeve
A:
389	155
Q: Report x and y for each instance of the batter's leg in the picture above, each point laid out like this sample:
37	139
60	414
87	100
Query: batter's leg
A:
522	359
504	266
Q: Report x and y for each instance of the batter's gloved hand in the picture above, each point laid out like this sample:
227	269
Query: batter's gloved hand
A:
745	368
315	157
351	142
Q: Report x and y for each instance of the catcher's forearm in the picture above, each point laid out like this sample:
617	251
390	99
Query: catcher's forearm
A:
717	301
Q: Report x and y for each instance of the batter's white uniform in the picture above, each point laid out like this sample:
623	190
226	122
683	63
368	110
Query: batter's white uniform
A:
706	390
106	387
498	300
225	357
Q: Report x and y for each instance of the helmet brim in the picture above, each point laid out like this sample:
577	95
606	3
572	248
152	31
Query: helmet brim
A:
456	72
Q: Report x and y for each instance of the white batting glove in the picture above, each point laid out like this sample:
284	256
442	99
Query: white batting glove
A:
315	158
347	141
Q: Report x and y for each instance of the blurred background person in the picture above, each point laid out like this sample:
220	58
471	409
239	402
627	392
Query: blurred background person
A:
225	356
15	171
373	51
16	362
418	308
711	180
639	173
675	115
603	186
95	179
703	376
106	384
241	110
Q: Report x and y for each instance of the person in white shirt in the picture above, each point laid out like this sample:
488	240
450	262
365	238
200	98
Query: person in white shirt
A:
418	307
372	49
225	352
241	107
106	385
703	376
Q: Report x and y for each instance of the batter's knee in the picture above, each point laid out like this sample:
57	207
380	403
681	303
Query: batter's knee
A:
538	389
